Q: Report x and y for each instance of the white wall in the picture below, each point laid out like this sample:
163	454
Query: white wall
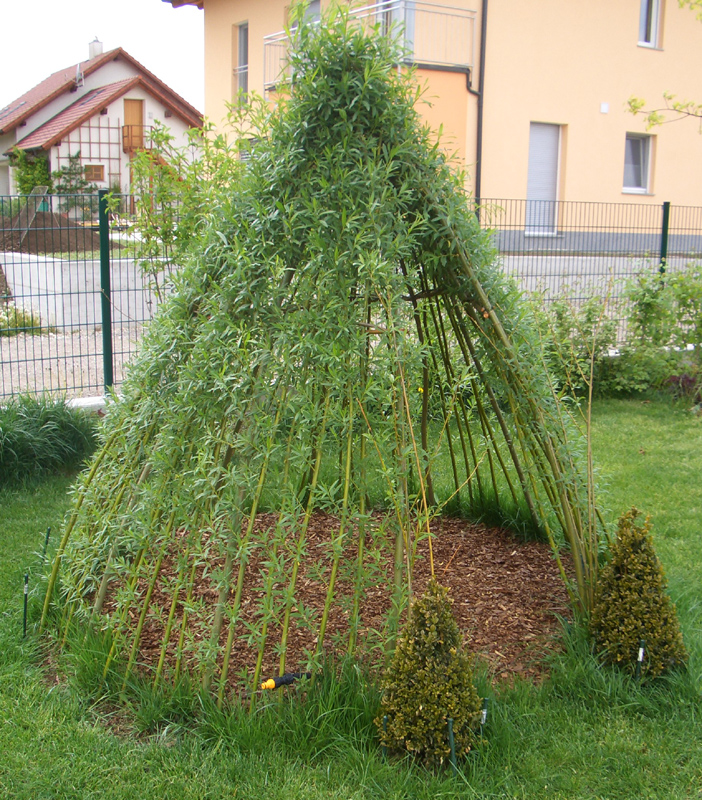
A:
109	73
7	140
106	147
4	177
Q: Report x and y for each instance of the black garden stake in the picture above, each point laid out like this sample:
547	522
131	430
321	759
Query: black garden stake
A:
26	596
46	544
639	660
452	745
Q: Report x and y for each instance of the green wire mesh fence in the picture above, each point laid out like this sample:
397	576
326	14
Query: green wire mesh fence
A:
73	299
71	292
576	250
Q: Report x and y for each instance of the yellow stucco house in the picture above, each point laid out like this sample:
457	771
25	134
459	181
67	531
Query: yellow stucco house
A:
531	94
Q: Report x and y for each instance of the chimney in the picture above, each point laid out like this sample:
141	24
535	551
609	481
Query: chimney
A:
95	48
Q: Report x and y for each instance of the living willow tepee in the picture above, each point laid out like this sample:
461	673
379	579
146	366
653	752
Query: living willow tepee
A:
340	340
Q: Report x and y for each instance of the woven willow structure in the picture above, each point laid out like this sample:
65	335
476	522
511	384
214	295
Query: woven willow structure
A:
340	332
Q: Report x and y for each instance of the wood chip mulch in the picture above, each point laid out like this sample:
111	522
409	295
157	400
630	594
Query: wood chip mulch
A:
507	599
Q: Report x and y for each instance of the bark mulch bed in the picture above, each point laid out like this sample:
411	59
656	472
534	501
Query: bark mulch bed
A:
507	599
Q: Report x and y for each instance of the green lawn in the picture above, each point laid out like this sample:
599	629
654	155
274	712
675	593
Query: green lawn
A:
586	733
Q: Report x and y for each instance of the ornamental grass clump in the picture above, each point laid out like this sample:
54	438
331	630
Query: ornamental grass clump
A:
631	605
429	681
40	436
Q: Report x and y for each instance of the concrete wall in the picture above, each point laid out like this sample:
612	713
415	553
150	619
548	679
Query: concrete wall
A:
67	293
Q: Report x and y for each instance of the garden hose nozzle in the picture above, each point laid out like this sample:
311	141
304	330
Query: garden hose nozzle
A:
284	680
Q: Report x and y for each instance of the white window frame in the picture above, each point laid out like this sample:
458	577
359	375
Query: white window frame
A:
241	71
645	167
650	23
551	207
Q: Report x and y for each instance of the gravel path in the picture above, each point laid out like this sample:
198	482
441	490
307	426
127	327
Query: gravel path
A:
68	363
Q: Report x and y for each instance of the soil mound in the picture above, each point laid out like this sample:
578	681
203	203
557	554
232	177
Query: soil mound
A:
47	232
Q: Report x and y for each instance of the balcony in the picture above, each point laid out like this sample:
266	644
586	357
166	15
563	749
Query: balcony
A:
135	137
432	36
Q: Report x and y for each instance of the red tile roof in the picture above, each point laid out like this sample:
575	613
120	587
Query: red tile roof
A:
65	80
53	86
70	118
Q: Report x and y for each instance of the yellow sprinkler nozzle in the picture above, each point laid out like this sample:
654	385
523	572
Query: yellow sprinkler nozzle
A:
284	680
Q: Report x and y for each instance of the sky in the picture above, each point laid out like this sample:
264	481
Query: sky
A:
43	36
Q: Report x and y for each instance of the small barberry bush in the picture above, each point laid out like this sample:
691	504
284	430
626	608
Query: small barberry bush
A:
429	681
631	604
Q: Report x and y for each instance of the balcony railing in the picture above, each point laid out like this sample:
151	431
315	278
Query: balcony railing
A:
135	137
430	35
240	84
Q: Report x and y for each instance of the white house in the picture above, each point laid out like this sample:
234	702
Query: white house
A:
102	108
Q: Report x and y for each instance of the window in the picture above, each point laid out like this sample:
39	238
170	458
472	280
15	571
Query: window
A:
637	159
313	12
241	60
397	19
542	179
95	173
649	23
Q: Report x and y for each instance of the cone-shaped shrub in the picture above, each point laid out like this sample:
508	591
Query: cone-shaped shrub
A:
429	681
631	604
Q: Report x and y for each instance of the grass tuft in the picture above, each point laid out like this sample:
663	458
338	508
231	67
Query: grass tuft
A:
15	320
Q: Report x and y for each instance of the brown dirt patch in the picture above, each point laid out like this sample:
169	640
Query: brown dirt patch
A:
46	233
507	597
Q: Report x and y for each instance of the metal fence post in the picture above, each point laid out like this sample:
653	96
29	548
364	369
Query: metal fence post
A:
664	237
105	291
